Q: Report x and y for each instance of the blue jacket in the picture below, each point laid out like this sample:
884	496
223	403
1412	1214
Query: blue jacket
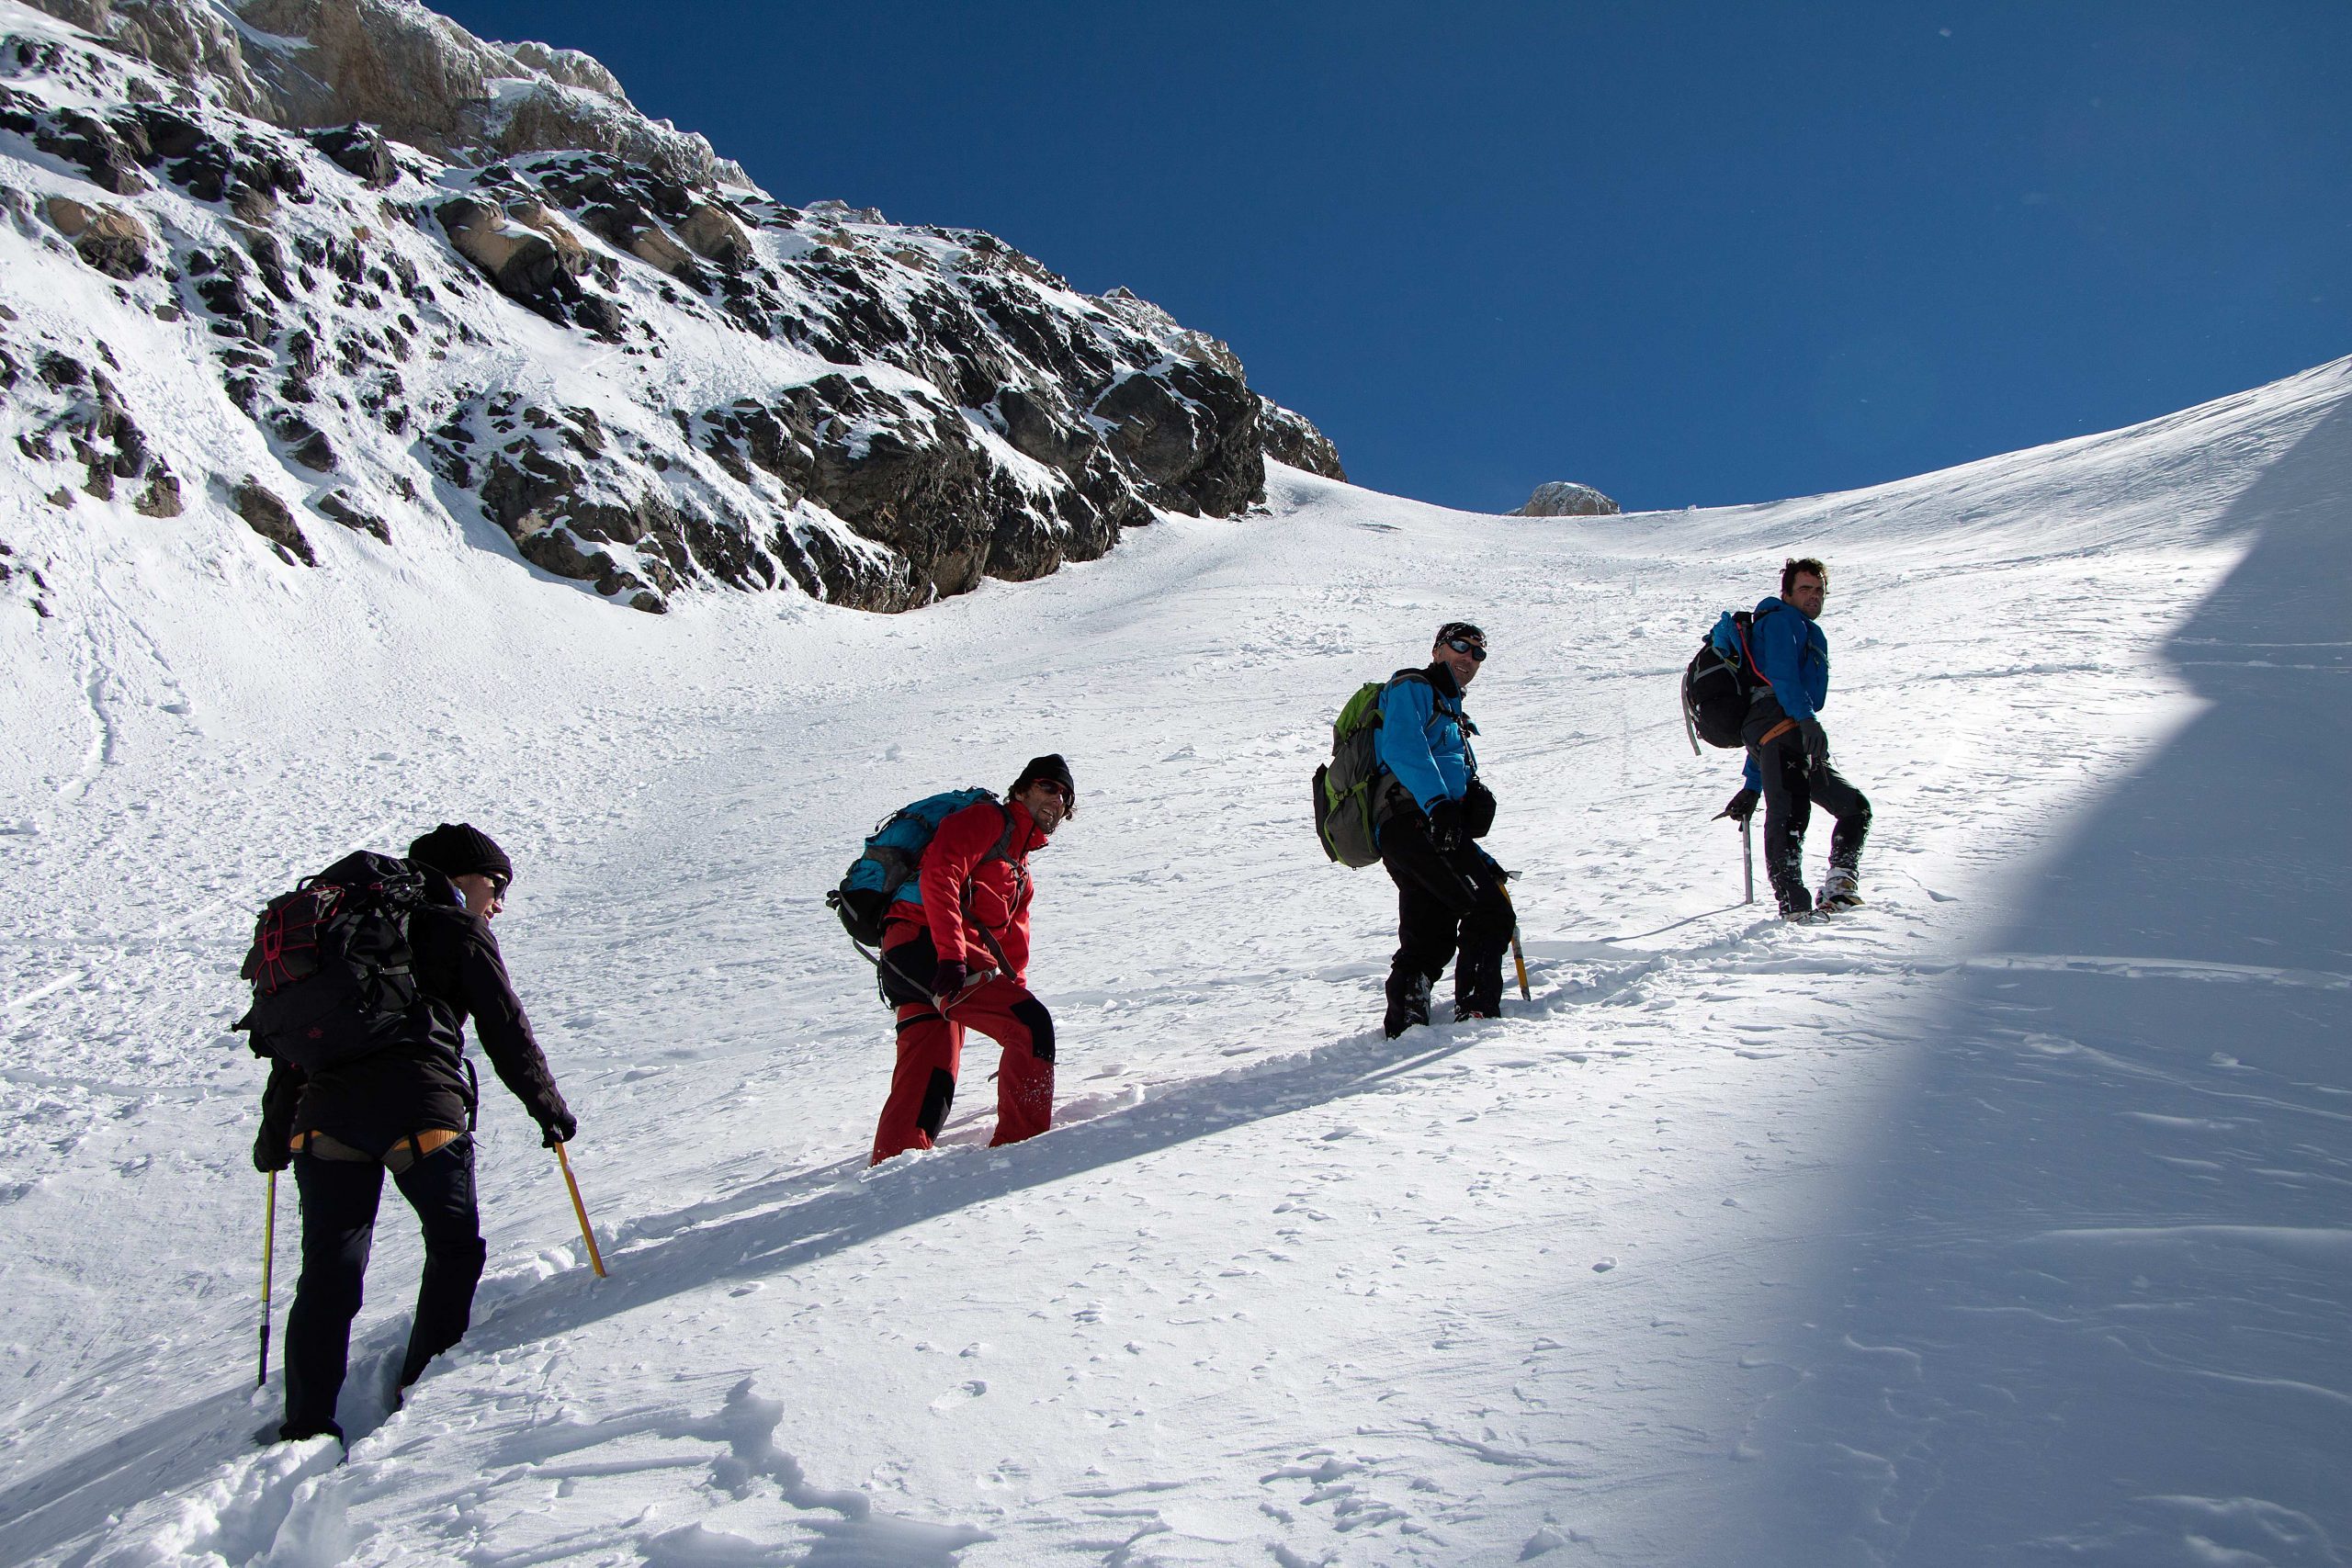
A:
1794	654
1424	739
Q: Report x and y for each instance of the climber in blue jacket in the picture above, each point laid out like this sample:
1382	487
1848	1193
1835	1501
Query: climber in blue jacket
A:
1788	751
1450	893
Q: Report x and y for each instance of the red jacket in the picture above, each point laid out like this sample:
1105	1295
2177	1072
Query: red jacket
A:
966	888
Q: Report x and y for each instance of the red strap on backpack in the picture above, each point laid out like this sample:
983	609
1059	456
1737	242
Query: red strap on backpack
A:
1749	654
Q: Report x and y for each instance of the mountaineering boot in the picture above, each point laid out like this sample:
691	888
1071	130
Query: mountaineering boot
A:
1409	1001
1465	1014
1787	876
1841	889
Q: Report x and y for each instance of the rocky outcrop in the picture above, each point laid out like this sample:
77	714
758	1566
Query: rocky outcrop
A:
271	518
438	282
391	64
1561	499
82	421
109	238
1290	438
360	150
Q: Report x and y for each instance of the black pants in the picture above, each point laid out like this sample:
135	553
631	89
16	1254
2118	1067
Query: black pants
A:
1445	902
339	1201
1790	792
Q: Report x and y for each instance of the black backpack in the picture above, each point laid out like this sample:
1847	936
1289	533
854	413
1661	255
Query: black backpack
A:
1719	682
332	974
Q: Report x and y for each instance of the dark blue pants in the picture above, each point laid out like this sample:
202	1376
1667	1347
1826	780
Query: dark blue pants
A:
339	1202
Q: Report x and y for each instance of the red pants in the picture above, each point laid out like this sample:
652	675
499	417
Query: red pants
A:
930	1048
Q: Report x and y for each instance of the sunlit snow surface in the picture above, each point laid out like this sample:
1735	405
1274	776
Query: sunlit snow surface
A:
2002	1221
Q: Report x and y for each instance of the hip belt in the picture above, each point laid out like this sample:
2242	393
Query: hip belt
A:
403	1153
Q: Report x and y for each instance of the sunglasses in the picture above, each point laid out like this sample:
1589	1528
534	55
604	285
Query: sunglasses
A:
1477	651
1056	791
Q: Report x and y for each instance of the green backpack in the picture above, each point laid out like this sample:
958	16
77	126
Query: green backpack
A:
1352	787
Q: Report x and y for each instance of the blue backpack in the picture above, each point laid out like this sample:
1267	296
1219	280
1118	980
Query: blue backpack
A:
885	869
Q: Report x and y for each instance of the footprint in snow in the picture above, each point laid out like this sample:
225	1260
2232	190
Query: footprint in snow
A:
961	1393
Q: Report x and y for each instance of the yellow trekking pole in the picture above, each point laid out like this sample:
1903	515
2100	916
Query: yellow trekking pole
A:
595	1259
268	1259
1517	953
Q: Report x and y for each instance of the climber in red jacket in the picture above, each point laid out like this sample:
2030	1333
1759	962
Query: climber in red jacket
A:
955	957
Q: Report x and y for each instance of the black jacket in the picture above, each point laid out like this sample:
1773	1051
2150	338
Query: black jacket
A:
371	1103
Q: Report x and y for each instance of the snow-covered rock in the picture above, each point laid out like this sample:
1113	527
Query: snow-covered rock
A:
406	281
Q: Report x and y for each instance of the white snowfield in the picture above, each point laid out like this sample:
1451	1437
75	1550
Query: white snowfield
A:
2003	1220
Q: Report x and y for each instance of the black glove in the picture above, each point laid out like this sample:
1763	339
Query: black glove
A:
558	1126
1740	807
1445	826
947	981
1477	809
270	1150
1816	743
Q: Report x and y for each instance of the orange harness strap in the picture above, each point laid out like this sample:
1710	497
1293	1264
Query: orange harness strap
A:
399	1157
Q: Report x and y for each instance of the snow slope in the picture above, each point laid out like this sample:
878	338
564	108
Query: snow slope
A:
2001	1220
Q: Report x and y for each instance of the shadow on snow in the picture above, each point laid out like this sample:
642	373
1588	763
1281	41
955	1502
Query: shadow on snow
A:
2090	1306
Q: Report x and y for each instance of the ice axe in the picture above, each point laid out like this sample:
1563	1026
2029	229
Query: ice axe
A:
268	1260
1746	844
1748	859
596	1259
972	982
1517	953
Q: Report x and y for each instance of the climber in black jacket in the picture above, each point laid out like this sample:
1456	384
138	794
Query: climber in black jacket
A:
407	1109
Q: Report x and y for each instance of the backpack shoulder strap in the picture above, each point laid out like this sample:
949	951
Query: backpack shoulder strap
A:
1401	677
1749	653
1001	850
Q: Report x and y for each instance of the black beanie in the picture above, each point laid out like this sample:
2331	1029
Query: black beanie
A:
461	849
1049	769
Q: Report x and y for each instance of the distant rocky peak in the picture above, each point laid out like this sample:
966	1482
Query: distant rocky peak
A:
1565	498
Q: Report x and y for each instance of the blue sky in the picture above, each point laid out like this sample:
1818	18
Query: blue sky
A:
1691	253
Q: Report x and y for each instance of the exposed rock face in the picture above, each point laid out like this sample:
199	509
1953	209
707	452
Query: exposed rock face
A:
1561	499
359	150
365	239
392	63
1289	438
81	422
269	517
110	239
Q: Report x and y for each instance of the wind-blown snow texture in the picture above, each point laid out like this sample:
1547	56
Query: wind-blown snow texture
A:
2001	1220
